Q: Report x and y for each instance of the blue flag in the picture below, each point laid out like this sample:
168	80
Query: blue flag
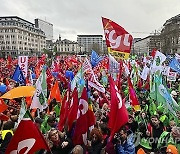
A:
18	75
175	65
95	58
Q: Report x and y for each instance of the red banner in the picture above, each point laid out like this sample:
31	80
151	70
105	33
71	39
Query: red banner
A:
118	40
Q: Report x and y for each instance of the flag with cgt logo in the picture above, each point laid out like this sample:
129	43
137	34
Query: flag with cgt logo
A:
118	40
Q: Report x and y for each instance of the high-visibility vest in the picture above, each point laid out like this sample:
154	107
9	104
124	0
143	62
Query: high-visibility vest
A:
4	132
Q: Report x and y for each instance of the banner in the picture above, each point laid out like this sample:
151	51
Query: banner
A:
118	40
23	64
175	65
171	76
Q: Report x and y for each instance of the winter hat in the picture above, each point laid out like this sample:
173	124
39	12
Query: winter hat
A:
172	149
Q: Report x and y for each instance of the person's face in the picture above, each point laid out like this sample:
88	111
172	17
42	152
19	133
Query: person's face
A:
172	124
54	136
130	120
94	138
123	135
155	121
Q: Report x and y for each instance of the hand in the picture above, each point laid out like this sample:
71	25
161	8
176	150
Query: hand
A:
88	143
64	144
147	133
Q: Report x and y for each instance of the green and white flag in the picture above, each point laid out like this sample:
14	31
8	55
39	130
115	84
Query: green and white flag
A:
40	97
21	113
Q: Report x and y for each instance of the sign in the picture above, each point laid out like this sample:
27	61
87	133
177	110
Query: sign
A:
23	64
172	76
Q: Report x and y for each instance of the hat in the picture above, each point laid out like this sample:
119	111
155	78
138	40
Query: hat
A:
172	149
174	93
141	151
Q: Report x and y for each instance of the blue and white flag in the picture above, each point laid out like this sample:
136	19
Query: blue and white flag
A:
18	75
95	58
175	65
164	93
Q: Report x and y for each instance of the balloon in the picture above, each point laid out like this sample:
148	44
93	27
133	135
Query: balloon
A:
55	74
3	88
81	82
69	74
34	76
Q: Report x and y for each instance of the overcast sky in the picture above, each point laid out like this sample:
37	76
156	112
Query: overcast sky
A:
74	17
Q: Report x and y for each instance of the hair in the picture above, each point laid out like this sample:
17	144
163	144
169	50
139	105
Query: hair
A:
8	125
51	119
97	132
155	116
77	150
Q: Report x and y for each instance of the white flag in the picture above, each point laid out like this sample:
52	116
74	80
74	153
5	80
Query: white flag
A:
40	97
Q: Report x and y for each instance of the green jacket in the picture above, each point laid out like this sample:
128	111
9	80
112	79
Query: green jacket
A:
165	139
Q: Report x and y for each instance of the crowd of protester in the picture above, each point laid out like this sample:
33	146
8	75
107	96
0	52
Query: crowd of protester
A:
148	130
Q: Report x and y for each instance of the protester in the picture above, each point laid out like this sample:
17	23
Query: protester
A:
149	119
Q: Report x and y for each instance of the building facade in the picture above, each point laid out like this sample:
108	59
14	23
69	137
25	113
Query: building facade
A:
18	36
69	47
46	27
146	45
170	36
91	42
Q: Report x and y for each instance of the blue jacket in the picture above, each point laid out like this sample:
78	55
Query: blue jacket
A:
127	147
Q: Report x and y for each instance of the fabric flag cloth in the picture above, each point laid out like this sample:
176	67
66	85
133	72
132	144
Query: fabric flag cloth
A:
175	65
114	66
157	62
118	40
27	139
82	125
133	97
73	108
118	115
64	111
145	72
18	76
55	93
40	97
168	99
92	81
95	58
3	106
21	113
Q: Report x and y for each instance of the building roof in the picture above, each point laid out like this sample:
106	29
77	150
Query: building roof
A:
8	17
175	18
90	35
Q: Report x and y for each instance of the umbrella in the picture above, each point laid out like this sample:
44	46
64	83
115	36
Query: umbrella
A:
22	91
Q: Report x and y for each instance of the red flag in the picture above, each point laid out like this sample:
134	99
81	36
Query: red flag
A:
147	83
27	139
9	62
64	111
3	106
55	93
118	115
4	117
153	53
80	132
139	84
132	96
72	115
118	40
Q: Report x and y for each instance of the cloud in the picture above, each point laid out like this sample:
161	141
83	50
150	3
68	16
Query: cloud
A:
73	17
